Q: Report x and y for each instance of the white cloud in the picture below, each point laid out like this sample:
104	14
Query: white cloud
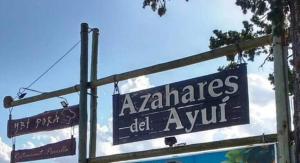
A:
135	84
262	120
4	152
29	145
260	90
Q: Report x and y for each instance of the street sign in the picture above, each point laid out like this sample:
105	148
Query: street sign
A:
203	103
59	149
49	120
254	154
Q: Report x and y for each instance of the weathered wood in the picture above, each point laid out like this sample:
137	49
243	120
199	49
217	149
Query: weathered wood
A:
46	121
82	147
93	97
216	53
295	35
282	100
185	149
53	150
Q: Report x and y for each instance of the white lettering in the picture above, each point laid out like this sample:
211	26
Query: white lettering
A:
192	120
127	104
168	96
217	83
222	108
133	126
201	90
146	98
213	116
189	96
174	118
234	86
157	102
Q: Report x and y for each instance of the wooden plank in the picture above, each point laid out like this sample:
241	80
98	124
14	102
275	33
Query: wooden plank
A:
185	149
54	150
82	147
282	99
212	54
93	98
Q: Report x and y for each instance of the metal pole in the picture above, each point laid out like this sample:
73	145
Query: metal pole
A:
282	101
93	102
83	94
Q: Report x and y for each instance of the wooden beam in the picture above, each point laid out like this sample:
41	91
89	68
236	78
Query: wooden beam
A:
185	149
94	96
82	147
212	54
280	54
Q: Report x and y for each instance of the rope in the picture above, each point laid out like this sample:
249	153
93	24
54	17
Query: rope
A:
55	63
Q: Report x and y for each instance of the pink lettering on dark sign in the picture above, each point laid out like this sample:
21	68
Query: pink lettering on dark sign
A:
47	121
59	149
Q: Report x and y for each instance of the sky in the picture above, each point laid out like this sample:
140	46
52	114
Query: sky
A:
34	34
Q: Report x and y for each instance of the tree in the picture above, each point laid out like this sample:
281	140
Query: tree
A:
259	154
285	15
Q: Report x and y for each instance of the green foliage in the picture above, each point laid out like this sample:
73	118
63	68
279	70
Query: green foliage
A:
234	37
291	78
157	5
263	12
261	154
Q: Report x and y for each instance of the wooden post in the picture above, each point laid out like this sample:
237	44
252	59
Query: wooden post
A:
93	101
12	155
83	94
282	101
201	57
295	35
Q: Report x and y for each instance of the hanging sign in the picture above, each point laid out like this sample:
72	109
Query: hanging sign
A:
49	120
59	149
256	154
203	103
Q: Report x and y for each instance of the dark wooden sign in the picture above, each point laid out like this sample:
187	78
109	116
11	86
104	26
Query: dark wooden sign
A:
50	120
59	149
203	103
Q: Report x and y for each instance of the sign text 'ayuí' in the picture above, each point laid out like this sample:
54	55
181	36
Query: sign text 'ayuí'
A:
49	120
203	103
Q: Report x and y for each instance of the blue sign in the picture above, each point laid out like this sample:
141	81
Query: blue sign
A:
203	103
258	154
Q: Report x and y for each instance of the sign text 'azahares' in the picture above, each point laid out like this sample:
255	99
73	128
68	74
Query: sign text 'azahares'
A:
203	103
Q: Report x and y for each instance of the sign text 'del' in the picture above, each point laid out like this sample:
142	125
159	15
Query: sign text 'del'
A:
203	103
